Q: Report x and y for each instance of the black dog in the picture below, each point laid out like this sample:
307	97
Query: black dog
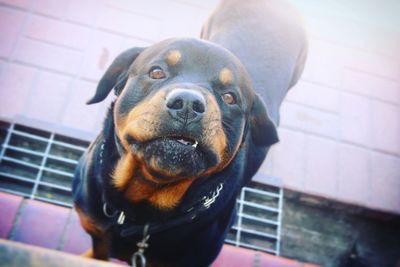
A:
185	133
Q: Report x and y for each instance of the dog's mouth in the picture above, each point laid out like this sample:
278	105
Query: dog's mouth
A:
172	158
187	142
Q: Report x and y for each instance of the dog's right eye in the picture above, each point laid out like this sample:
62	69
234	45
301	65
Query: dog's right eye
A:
157	73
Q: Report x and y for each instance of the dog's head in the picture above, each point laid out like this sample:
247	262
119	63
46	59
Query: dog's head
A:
184	109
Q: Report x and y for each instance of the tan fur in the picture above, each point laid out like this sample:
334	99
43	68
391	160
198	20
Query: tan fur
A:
162	196
168	197
226	76
213	132
143	120
124	171
88	224
173	57
88	254
139	190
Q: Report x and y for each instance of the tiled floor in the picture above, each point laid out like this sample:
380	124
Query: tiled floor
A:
55	227
41	224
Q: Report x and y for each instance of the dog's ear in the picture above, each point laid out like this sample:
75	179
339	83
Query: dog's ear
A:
116	75
262	129
261	134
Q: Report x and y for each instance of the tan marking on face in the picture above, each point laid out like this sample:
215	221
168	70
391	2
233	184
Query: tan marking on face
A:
124	171
142	122
120	124
226	76
173	57
214	135
224	162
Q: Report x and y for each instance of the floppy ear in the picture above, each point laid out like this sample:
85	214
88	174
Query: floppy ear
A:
261	134
116	75
262	129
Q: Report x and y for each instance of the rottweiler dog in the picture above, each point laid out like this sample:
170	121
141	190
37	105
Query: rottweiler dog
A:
186	132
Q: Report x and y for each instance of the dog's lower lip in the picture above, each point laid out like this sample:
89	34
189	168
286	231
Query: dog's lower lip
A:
179	139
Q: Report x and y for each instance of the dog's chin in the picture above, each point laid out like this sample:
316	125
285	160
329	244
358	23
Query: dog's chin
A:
170	159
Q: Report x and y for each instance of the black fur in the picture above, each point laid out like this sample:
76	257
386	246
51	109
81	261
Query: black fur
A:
190	234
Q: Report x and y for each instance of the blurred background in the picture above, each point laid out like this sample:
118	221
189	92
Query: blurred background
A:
328	193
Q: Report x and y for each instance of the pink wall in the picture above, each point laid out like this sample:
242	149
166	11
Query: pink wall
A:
340	126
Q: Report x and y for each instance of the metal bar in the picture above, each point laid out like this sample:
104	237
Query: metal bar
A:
32	181
279	228
31	136
71	161
6	141
43	139
60	187
41	154
54	201
63	173
27	151
246	245
17	177
6	190
229	241
38	167
80	148
265	193
40	172
255	205
254	218
254	232
21	162
239	224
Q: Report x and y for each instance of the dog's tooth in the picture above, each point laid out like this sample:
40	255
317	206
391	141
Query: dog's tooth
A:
195	144
183	142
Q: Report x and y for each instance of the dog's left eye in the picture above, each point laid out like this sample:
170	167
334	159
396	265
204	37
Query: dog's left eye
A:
156	73
229	98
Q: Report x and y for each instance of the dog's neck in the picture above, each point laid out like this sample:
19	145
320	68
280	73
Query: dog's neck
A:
132	179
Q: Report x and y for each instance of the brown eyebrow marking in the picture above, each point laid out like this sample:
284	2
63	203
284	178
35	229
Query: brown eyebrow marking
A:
226	76
173	57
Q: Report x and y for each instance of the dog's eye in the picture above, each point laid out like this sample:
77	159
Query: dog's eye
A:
229	98
157	73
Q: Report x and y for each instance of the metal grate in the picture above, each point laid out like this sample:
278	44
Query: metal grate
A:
40	165
258	223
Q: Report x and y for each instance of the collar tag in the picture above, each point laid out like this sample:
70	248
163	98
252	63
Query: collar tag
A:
121	218
210	200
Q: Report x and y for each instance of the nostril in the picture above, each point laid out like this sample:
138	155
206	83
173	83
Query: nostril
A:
198	106
176	103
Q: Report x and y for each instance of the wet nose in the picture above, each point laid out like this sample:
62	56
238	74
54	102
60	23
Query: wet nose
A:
185	104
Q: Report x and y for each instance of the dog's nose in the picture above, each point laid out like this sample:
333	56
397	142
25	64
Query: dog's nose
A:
185	104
